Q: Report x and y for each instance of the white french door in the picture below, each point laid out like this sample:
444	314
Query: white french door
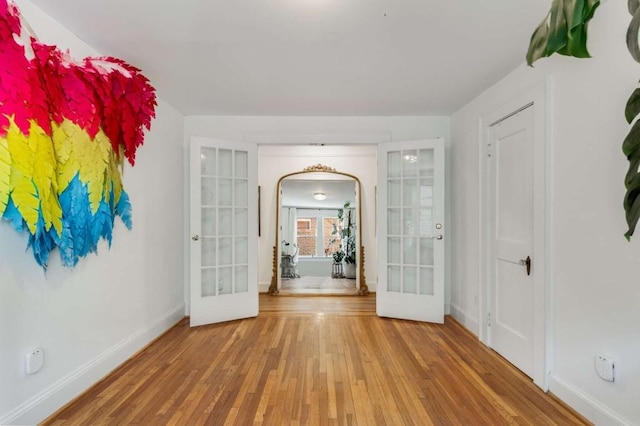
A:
223	255
411	230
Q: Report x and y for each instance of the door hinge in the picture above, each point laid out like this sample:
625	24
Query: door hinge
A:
489	319
489	150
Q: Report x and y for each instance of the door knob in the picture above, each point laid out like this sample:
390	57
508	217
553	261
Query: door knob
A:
439	237
196	237
526	263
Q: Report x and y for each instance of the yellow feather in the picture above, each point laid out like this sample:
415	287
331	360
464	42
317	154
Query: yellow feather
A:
67	164
5	174
93	159
45	179
23	191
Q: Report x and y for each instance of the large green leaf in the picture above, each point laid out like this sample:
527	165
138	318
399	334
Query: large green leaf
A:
631	148
563	30
633	106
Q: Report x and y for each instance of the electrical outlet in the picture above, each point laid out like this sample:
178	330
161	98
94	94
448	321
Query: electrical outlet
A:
34	360
605	368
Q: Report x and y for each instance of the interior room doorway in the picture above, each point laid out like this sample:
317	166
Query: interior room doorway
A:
318	247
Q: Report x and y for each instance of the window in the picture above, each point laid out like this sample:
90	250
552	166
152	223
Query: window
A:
315	236
332	243
307	236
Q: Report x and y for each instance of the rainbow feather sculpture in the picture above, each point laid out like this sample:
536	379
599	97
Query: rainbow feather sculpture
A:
65	129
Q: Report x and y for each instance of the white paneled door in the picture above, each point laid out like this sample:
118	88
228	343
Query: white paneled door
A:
223	198
511	265
411	230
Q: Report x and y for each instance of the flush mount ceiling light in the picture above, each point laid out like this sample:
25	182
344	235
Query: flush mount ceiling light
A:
319	196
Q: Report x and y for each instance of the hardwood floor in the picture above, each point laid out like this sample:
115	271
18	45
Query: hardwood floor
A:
316	361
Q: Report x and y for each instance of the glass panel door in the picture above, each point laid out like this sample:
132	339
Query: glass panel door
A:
223	229
411	184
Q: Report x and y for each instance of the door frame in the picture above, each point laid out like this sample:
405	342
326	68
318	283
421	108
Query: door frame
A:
540	99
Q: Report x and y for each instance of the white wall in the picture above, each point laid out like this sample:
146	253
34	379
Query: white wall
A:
274	162
595	290
91	318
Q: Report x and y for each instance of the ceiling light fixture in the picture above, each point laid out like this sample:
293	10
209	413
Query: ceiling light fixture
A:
319	196
411	158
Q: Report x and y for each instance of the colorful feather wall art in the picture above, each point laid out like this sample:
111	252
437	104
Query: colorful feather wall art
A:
65	129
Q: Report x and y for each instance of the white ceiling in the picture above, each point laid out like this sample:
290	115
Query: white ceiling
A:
299	193
310	57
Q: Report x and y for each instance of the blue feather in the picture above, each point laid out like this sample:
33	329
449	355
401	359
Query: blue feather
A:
102	223
14	217
123	209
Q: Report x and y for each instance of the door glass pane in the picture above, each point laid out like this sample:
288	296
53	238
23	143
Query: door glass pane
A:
208	282
426	192
394	250
242	250
410	251
409	192
225	220
407	222
225	251
208	219
393	193
426	162
225	165
208	191
208	251
394	221
208	161
225	191
225	280
394	164
426	282
241	222
242	164
242	279
410	163
426	252
393	279
425	222
410	280
241	193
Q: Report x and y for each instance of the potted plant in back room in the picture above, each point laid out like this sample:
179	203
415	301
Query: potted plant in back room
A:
345	228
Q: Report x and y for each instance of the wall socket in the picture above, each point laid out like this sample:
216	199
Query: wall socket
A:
605	368
35	360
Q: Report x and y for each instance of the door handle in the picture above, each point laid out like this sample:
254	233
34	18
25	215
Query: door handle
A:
196	237
526	263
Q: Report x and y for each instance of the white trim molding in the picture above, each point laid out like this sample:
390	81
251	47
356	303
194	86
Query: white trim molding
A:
464	319
586	405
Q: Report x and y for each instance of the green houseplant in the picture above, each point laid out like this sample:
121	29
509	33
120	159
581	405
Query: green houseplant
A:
345	229
564	31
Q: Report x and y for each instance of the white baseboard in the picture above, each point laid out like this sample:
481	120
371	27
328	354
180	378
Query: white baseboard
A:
263	287
63	391
584	404
468	322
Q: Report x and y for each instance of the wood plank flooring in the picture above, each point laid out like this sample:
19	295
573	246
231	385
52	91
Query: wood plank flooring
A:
316	361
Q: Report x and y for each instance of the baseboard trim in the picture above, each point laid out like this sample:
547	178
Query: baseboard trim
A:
584	404
43	404
465	320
